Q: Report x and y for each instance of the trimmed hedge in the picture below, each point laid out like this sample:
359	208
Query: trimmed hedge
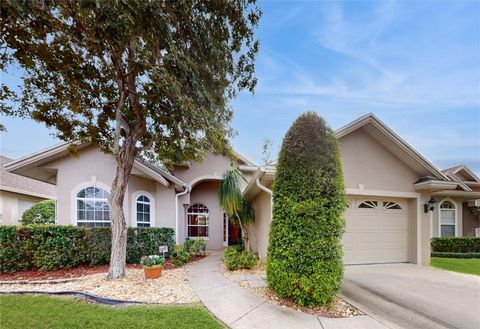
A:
456	245
456	255
49	247
304	260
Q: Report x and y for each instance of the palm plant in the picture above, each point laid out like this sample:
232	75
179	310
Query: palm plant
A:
234	204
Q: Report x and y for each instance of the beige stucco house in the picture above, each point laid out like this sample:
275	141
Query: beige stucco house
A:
18	193
391	188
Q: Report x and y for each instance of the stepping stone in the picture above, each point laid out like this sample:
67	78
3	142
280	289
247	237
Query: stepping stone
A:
249	277
237	277
257	283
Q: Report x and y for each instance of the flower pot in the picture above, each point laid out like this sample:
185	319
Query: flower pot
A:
153	272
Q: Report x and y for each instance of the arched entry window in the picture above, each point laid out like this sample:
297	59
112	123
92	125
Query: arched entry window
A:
447	219
143	212
197	221
92	207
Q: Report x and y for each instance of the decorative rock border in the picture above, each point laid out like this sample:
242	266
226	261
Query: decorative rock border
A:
98	299
50	281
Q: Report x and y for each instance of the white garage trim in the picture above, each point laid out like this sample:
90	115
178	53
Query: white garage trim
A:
396	194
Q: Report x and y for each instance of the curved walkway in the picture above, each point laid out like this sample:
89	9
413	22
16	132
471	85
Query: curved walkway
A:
240	309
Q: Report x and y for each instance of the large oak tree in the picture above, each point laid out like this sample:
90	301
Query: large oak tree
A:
147	77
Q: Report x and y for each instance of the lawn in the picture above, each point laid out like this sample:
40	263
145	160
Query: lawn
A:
53	312
462	265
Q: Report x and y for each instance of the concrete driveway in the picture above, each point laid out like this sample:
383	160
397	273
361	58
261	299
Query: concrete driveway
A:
411	296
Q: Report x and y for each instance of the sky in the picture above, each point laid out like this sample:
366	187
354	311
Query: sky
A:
415	65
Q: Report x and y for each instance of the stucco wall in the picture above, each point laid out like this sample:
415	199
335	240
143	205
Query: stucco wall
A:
94	168
469	221
213	165
12	206
367	162
259	230
207	194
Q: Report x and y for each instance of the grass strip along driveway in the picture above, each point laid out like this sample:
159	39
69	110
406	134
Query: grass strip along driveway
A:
52	312
461	265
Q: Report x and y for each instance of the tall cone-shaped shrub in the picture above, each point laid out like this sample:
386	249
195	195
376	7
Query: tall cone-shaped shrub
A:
305	252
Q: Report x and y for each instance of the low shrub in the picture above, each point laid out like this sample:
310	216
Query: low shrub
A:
199	247
234	259
49	247
179	256
456	245
42	212
456	255
188	245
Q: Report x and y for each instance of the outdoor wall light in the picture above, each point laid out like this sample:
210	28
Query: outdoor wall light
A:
430	205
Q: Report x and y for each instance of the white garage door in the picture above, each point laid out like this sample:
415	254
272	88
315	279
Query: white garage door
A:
376	231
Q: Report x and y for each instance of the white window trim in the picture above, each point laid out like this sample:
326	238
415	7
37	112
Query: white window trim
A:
440	216
207	215
73	197
135	196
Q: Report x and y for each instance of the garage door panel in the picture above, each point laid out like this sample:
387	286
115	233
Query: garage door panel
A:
376	235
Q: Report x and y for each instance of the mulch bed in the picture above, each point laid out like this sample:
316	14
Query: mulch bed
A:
74	272
67	273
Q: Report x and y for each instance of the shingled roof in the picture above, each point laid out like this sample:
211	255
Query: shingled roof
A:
19	184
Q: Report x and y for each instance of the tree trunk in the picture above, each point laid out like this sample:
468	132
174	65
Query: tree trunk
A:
244	233
125	160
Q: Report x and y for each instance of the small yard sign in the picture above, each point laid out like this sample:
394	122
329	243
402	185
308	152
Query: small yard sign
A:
163	249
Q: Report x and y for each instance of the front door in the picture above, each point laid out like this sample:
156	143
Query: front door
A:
231	232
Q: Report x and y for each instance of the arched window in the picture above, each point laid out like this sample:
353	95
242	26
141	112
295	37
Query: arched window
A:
143	211
391	205
369	204
197	221
447	218
92	207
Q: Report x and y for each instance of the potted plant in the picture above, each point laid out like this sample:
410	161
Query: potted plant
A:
152	266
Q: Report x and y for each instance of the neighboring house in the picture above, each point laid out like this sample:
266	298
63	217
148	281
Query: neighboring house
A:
18	193
390	189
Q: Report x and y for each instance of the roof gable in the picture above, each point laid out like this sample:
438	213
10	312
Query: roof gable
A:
461	172
389	139
31	165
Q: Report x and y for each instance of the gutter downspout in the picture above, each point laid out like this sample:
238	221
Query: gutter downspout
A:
267	190
177	224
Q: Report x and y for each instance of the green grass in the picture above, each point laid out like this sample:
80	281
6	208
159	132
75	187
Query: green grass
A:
52	312
462	265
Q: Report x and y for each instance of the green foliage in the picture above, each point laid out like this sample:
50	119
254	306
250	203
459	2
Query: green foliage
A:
456	254
199	247
151	260
188	244
229	193
469	266
304	260
136	78
191	248
42	212
179	256
42	312
234	258
49	247
233	203
149	66
456	245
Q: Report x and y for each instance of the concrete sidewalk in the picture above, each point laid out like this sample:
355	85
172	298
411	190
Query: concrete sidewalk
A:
240	309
